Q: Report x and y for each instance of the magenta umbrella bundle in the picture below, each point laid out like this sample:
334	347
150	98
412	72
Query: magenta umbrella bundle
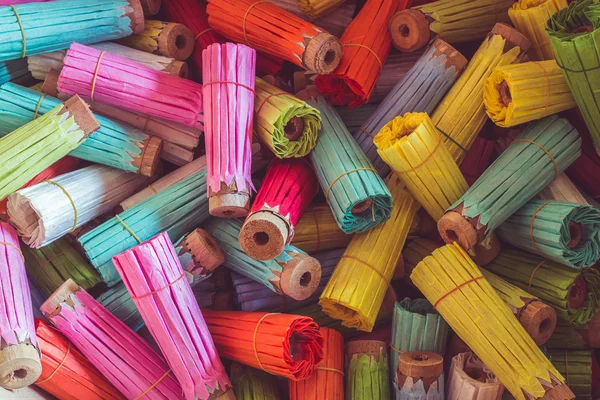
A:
228	72
107	78
153	275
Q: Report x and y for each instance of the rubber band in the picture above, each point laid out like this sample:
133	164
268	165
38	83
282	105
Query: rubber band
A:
383	278
367	132
368	48
531	226
58	367
37	107
330	369
70	199
452	140
267	98
246	16
49	261
229	83
96	75
547	88
14	247
318	232
254	339
128	229
574	70
395	349
465	283
533	274
419	165
342	175
153	385
202	33
152	188
24	52
545	151
160	289
100	298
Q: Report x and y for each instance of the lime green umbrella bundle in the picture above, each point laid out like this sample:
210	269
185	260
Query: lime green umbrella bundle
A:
573	337
567	233
576	367
251	384
367	371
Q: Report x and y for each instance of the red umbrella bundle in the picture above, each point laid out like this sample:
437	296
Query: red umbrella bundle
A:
586	169
477	159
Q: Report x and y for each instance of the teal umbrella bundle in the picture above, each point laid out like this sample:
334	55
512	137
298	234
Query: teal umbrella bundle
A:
114	144
176	210
567	233
357	196
36	28
14	71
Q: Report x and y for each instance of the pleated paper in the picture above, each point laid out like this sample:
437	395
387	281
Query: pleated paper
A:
470	379
394	69
571	337
14	71
317	230
367	376
576	366
335	21
253	384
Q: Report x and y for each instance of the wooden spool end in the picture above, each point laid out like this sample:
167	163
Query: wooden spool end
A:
20	366
50	85
323	53
362	206
175	41
485	255
300	277
178	68
264	235
425	366
62	294
539	320
559	392
227	204
453	56
294	129
205	251
148	160
373	348
151	7
577	293
453	227
512	36
136	15
80	111
409	30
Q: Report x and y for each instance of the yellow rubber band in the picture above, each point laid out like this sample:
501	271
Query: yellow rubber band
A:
330	369
58	367
246	16
342	175
14	247
128	229
254	339
368	48
37	107
202	33
96	75
24	53
153	385
70	199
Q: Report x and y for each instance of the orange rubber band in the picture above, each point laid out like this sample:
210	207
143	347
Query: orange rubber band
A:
457	288
153	385
395	349
545	151
383	278
267	98
368	48
533	274
229	83
58	367
254	339
96	75
342	175
202	33
531	226
159	289
330	369
246	16
14	247
24	51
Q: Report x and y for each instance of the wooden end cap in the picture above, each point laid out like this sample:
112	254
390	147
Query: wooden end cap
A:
453	227
20	366
409	30
539	320
82	114
175	41
300	277
323	53
264	235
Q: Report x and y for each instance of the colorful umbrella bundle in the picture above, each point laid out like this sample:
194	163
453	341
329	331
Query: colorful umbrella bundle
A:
318	230
167	39
252	384
576	366
470	379
367	375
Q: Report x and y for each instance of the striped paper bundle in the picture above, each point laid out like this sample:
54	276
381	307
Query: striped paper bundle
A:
333	22
280	344
167	39
354	191
584	171
574	294
35	146
110	345
540	154
478	159
176	210
253	384
317	230
414	149
572	337
20	352
366	45
367	376
153	276
420	376
567	233
228	74
118	302
120	82
40	28
420	90
394	69
49	210
14	71
454	285
470	379
520	93
576	367
563	189
355	292
66	373
353	118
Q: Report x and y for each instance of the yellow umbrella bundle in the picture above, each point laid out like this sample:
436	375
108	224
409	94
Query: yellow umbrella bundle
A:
317	230
167	39
356	290
520	93
414	149
465	299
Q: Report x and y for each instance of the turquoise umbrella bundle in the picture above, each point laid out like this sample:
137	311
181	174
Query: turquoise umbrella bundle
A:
14	71
36	28
567	233
357	196
118	301
176	210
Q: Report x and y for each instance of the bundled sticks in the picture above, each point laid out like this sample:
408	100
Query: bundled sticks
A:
251	384
371	356
576	366
14	71
317	230
163	38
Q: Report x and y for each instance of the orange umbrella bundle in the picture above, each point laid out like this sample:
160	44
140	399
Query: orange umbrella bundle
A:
366	44
280	344
66	373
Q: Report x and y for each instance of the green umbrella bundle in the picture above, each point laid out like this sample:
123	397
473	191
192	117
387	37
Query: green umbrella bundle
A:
573	337
576	367
367	372
253	384
567	233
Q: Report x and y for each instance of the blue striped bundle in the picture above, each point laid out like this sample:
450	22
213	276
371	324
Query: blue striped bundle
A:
14	71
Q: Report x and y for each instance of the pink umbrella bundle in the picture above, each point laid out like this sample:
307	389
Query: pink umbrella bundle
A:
228	72
121	82
123	357
153	275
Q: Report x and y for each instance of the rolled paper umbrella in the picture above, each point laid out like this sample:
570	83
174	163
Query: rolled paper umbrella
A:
460	116
563	189
371	356
110	345
228	74
355	292
114	144
268	28
567	233
574	294
573	32
291	273
252	384
464	298
310	9
327	382
394	69
539	155
568	336
420	90
151	7
167	39
576	366
415	150
176	210
283	123
477	160
40	28
20	353
14	71
280	344
287	190
520	93
420	376
118	302
49	266
354	191
153	276
35	146
317	230
47	211
471	379
120	82
41	64
366	44
205	254
333	22
66	373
